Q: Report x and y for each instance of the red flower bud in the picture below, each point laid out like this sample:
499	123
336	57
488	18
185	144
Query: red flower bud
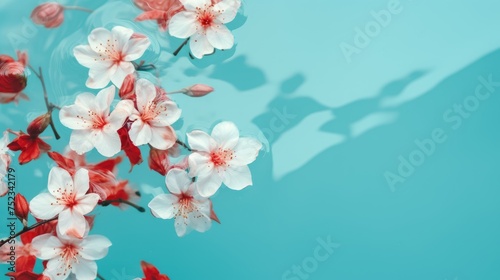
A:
198	90
21	208
49	14
38	125
12	77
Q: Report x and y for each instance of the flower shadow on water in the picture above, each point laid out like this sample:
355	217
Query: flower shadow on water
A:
439	201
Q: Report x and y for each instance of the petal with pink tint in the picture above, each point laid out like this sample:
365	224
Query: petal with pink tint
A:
145	92
87	203
59	181
162	138
72	223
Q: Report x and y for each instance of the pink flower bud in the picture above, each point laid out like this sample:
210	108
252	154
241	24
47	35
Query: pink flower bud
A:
38	125
198	90
21	208
127	90
49	14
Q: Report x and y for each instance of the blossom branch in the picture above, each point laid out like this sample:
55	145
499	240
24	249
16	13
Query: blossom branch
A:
100	277
77	8
26	229
176	52
119	200
183	145
50	106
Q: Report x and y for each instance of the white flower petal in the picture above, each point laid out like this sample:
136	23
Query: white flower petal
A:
135	48
75	117
220	37
180	226
145	92
80	142
228	8
87	203
183	24
121	35
200	141
99	37
208	185
81	181
246	151
46	246
167	117
85	270
193	4
237	178
177	181
122	111
94	247
86	56
106	142
122	70
226	134
200	45
100	77
44	206
199	164
162	206
104	99
140	133
59	181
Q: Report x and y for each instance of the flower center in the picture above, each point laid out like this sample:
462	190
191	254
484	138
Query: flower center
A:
69	254
98	121
151	111
109	51
221	157
185	206
205	18
67	199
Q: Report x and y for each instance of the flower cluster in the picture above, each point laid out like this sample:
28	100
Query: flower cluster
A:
127	117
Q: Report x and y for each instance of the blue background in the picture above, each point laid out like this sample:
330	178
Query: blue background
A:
333	126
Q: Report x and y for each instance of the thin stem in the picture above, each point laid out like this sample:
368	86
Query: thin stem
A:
26	229
78	8
176	52
100	277
119	200
183	145
49	105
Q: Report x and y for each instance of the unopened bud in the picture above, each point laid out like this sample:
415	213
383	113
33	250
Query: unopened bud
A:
198	90
21	208
39	124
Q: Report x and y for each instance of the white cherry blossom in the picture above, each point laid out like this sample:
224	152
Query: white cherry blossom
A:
109	55
152	118
68	198
183	203
221	157
93	125
203	22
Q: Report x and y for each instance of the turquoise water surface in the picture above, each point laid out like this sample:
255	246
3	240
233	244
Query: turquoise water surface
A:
380	126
